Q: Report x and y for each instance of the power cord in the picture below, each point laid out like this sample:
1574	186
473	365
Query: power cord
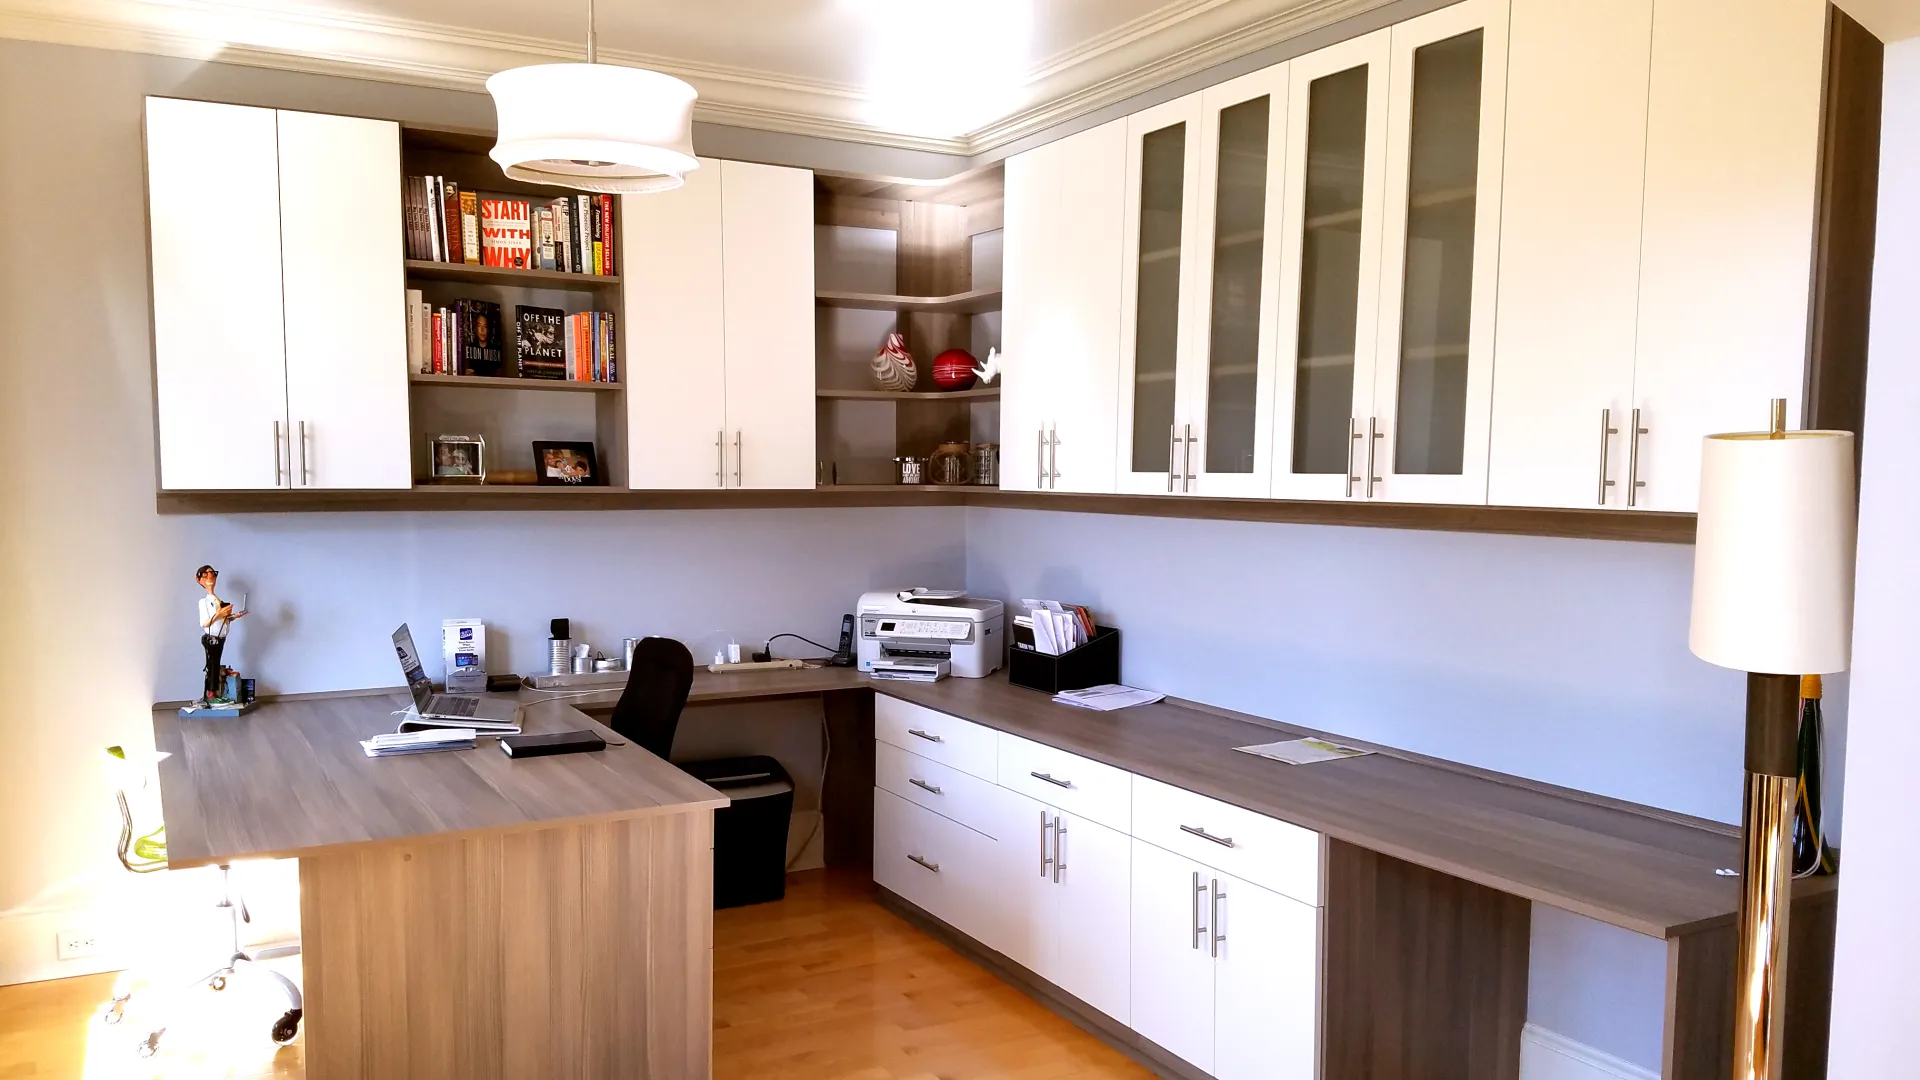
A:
826	755
768	651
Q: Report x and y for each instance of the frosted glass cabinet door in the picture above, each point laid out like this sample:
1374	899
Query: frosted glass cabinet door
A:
1159	278
1330	268
1434	388
1228	391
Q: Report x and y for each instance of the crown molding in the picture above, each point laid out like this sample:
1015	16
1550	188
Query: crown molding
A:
1170	43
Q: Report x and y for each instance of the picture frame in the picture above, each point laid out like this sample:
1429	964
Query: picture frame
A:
567	464
457	459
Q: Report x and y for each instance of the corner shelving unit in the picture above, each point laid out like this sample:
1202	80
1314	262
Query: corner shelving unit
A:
508	411
923	261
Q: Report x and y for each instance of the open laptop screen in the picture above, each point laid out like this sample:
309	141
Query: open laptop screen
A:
417	681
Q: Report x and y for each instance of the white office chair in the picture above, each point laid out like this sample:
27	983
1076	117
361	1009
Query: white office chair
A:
147	853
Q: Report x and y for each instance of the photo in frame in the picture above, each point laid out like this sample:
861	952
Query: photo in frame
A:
458	459
567	463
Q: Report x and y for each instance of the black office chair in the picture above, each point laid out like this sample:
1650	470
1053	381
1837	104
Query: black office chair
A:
750	835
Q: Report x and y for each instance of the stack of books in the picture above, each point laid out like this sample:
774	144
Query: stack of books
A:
550	344
573	234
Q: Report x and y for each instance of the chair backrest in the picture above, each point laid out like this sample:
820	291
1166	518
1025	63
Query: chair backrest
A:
658	682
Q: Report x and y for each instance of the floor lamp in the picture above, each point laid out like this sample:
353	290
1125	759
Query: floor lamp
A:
1772	596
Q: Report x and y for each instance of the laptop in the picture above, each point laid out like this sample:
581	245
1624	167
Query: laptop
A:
488	715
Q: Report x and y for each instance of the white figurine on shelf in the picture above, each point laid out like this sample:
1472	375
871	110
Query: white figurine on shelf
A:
990	370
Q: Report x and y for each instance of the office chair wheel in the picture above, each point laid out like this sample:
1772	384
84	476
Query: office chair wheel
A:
217	983
285	1028
114	1011
150	1045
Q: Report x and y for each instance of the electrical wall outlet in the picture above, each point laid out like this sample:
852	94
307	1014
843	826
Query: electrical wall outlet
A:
76	943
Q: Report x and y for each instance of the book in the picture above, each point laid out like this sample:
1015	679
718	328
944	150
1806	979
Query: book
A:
612	365
470	227
538	351
606	234
450	214
505	235
481	351
438	354
583	236
414	216
593	249
416	340
434	203
563	233
543	236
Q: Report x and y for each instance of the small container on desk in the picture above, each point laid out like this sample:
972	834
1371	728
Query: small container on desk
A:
1094	664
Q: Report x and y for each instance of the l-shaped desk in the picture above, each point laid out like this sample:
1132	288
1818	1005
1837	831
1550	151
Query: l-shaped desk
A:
467	915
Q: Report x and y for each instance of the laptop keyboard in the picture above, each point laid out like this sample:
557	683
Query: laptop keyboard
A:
452	705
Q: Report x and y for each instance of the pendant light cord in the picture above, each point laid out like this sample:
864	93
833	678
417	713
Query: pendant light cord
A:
593	49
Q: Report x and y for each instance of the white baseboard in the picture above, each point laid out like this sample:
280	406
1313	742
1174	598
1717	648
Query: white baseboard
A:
1549	1055
27	952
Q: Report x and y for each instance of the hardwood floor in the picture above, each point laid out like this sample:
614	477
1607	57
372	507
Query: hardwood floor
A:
824	985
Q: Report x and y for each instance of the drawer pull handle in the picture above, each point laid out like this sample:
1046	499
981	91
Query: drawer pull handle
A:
1046	852
933	866
1195	830
924	735
1048	777
922	784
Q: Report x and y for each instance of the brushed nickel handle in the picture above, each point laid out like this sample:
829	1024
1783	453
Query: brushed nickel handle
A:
1040	458
1195	830
1046	854
1374	434
1353	436
1186	482
1059	859
1213	916
1173	442
933	866
1048	777
924	735
1634	483
720	448
924	786
1197	928
1053	456
276	453
739	461
1606	429
306	473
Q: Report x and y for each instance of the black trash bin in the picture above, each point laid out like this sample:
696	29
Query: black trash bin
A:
750	836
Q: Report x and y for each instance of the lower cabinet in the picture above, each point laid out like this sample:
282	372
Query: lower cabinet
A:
1066	894
939	864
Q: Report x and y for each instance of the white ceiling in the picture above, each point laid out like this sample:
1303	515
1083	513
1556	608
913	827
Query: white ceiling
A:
960	76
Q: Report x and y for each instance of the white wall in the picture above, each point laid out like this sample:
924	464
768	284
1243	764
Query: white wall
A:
1876	992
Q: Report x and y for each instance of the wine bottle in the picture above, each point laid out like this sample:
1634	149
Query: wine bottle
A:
1811	855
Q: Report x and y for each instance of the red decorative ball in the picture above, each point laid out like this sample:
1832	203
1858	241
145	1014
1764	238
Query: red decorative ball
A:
953	370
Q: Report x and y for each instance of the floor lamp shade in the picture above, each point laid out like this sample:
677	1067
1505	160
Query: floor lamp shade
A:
1773	561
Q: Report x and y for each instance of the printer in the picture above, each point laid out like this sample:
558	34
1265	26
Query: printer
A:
924	634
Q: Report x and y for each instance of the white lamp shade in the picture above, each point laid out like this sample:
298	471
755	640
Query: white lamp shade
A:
1773	562
595	127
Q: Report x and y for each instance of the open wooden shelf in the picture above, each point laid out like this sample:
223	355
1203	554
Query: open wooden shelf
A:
979	393
489	382
505	275
966	303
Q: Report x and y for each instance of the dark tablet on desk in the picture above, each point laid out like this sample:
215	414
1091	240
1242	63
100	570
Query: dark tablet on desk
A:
560	742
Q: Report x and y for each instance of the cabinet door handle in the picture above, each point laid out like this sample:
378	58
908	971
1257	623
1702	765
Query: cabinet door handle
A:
1048	777
930	738
1606	431
720	450
924	786
1353	436
306	474
1213	916
1634	483
933	866
1173	443
739	461
1195	830
1186	482
1198	889
1059	859
1374	434
1053	457
1046	853
276	453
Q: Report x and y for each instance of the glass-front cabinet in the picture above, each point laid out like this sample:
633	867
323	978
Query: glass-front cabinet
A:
1202	280
1390	263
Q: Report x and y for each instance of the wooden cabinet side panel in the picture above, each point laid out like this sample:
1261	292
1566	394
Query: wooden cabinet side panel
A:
767	267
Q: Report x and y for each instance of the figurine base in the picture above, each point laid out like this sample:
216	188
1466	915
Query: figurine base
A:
218	708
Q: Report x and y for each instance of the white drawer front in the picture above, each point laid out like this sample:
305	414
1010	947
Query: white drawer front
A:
943	867
1254	847
942	789
946	739
1098	792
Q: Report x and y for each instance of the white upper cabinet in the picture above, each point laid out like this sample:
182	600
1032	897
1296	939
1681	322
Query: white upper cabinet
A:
280	334
720	298
1733	143
1569	252
1330	233
1027	279
345	286
219	336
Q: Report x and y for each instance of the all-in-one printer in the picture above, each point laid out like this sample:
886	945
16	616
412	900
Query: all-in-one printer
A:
924	634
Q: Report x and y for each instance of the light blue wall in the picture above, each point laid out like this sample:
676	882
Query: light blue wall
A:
1597	984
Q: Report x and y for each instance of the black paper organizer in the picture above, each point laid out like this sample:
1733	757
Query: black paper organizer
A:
1094	664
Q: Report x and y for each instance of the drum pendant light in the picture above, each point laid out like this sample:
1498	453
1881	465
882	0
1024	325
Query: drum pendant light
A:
593	126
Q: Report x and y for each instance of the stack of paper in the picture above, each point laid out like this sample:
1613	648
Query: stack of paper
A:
1107	697
419	742
1303	751
1057	628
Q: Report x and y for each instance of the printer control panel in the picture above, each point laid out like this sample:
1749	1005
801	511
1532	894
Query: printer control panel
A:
925	628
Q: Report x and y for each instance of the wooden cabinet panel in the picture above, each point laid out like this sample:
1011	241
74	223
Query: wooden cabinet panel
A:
767	271
674	343
1173	998
346	345
1569	252
219	334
